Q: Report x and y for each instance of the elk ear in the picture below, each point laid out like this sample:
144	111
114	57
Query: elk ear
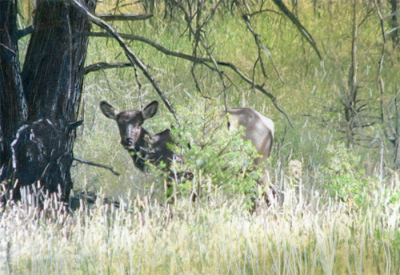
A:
150	110
108	110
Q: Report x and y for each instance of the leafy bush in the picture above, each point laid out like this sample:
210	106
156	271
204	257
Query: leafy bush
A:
346	177
213	154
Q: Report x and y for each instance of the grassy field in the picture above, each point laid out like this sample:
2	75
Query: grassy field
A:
317	236
337	213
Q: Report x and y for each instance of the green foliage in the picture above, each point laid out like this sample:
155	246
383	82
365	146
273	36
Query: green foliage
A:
346	178
395	242
210	151
310	92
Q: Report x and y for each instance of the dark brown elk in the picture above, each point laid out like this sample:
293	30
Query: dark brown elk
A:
144	146
141	145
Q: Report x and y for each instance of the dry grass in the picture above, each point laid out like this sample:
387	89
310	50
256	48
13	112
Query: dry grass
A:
214	236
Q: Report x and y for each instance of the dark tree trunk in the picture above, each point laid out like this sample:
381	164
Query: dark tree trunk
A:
395	21
13	110
56	54
396	128
48	96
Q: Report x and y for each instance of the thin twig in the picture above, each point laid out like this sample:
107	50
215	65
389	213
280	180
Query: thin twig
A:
106	17
263	10
200	40
200	60
23	32
139	87
260	45
124	17
128	52
112	169
378	10
104	65
378	77
299	26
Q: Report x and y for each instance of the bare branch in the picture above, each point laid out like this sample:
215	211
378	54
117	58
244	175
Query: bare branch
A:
212	13
262	11
103	65
199	39
260	45
149	42
106	17
200	60
128	52
23	32
112	169
378	10
301	28
124	17
392	30
188	18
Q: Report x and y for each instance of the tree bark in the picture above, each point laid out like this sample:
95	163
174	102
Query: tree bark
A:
46	95
396	128
395	22
13	109
55	56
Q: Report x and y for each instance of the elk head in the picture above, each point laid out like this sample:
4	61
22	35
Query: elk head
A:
130	123
141	145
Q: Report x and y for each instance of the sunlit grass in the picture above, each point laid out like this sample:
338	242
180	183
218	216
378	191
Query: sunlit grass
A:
215	236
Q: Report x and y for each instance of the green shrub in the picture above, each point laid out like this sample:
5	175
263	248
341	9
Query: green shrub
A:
218	158
346	177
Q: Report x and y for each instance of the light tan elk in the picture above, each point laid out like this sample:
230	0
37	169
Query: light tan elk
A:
144	146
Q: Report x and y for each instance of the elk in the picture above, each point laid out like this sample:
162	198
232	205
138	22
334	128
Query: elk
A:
144	146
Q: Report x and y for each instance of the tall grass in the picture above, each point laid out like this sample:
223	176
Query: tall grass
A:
215	236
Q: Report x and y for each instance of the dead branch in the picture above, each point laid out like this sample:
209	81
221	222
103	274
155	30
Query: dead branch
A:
397	127
106	17
379	79
151	43
262	11
103	65
200	40
378	10
112	169
23	32
124	17
133	59
351	100
257	38
299	26
200	60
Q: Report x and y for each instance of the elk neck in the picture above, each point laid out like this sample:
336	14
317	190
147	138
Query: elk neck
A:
153	148
140	153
